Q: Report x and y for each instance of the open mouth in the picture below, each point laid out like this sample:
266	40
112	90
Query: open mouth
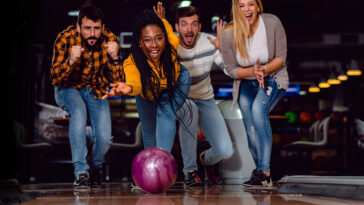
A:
91	41
249	16
189	38
154	54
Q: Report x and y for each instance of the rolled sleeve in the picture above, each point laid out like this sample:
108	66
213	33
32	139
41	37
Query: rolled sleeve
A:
280	39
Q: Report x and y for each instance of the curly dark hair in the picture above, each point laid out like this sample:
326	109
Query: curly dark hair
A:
151	85
149	79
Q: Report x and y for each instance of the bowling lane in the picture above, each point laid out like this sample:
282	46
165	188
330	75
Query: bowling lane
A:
121	193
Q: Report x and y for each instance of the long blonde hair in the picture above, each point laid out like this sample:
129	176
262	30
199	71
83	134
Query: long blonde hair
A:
241	27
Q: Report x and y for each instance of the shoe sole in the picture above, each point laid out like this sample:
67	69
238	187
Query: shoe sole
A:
263	186
268	186
81	188
194	184
259	188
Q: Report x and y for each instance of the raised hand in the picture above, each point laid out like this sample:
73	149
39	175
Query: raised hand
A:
76	52
219	28
118	88
112	49
160	11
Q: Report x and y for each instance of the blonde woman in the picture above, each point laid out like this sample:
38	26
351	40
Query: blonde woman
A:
254	50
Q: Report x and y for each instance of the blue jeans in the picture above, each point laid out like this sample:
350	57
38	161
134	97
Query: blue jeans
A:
255	104
77	103
158	123
207	116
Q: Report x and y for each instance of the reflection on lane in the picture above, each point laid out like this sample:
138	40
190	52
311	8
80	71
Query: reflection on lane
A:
120	193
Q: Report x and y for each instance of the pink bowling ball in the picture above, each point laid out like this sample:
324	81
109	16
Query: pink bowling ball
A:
154	170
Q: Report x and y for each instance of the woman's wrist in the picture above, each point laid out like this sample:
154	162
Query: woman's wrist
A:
253	72
264	69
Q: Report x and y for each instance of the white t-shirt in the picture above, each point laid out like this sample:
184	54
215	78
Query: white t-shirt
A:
257	47
199	61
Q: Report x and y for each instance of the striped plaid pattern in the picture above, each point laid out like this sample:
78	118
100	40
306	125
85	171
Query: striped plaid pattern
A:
94	69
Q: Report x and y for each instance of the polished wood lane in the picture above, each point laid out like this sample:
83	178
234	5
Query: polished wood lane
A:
123	194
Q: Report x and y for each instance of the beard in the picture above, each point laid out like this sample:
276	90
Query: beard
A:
88	46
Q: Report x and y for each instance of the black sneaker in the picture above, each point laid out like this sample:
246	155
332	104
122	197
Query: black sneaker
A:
96	175
259	179
255	171
211	171
192	178
81	182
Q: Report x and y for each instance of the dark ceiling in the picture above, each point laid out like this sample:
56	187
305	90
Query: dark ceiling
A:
300	17
317	30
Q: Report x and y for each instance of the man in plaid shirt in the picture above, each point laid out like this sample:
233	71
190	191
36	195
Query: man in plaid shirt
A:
85	61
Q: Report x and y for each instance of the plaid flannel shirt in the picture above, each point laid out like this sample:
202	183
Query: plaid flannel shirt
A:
94	68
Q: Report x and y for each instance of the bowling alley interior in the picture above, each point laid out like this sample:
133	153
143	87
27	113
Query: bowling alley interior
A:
317	126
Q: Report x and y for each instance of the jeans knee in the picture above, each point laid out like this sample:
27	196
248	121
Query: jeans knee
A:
258	110
104	140
225	151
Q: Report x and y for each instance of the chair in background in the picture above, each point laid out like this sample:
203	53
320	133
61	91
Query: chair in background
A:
318	133
119	147
31	154
305	157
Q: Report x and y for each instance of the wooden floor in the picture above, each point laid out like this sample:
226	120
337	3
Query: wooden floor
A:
123	194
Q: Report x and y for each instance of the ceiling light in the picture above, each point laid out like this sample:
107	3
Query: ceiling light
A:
215	18
342	77
185	4
73	13
303	92
333	80
353	69
323	84
351	72
313	89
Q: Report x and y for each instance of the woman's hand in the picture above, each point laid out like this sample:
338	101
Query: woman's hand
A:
160	11
118	88
258	71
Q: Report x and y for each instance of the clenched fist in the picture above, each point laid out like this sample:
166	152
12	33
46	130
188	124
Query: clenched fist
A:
112	49
76	52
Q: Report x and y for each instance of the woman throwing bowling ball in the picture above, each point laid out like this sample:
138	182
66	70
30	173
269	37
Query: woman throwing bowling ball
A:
154	75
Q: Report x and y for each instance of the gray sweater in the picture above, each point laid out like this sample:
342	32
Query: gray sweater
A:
277	48
199	60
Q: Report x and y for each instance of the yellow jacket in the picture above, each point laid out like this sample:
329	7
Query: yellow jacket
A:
132	74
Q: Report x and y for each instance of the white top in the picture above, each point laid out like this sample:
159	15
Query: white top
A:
199	60
257	47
